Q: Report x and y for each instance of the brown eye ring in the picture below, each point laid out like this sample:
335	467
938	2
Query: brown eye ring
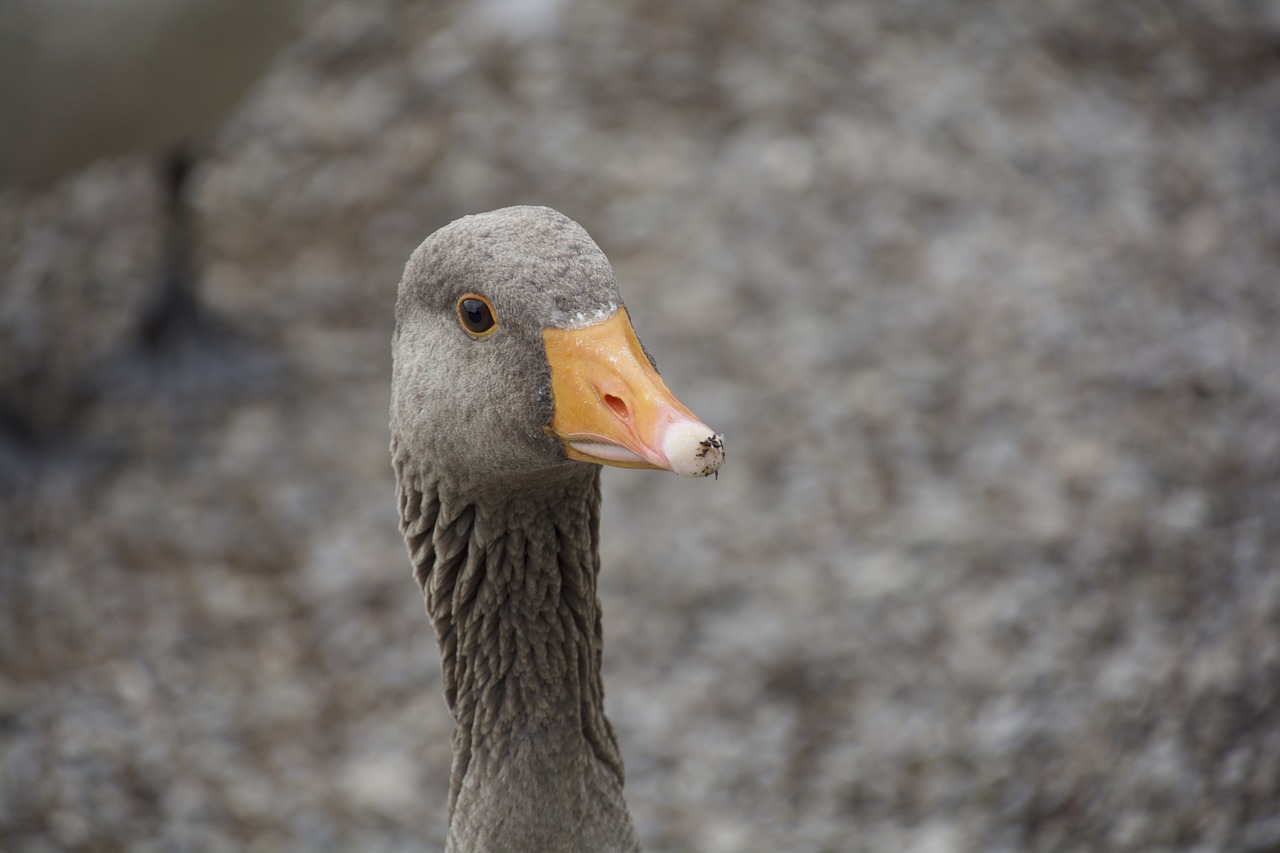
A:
476	315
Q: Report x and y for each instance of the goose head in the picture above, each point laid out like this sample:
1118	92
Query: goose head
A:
513	354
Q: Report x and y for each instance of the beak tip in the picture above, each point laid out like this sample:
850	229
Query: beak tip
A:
692	449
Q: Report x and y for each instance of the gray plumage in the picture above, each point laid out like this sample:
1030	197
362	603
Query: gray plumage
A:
503	532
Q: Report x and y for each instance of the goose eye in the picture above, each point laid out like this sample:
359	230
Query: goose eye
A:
476	314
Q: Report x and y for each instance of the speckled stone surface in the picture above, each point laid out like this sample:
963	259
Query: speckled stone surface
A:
985	299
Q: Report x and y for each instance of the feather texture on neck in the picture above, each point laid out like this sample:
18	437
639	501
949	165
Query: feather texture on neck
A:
509	576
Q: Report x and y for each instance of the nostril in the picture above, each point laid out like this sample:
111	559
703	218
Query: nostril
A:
618	406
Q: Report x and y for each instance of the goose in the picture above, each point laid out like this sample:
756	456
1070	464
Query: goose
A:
84	80
516	375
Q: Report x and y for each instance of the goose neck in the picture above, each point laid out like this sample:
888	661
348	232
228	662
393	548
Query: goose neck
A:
510	585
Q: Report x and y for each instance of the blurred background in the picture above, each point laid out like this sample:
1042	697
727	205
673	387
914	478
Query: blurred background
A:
985	299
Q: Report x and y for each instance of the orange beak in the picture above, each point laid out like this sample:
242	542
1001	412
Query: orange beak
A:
612	408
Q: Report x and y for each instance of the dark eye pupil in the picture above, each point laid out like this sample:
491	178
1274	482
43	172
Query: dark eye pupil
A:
476	315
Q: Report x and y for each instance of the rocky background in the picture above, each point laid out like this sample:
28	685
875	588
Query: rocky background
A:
984	297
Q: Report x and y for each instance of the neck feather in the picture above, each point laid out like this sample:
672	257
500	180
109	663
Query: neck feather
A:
509	577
